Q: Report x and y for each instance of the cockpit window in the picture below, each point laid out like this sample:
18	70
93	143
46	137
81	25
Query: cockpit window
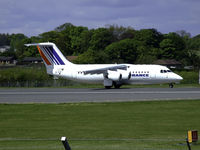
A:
165	71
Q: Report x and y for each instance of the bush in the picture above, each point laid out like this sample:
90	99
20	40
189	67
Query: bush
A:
189	77
30	77
23	74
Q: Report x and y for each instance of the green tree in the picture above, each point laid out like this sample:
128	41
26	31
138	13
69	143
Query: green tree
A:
61	39
120	32
92	57
173	47
122	51
4	39
79	38
168	48
183	33
193	51
63	43
194	43
16	41
149	37
101	38
23	51
17	44
64	40
8	54
63	27
50	36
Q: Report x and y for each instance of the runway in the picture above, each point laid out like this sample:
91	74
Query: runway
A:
65	95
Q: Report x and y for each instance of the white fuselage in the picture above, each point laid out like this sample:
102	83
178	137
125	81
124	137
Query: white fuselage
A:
139	74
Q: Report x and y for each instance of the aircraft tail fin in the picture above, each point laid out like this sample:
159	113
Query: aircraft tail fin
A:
51	55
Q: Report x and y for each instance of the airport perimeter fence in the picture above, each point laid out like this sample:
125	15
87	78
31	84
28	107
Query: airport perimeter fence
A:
96	144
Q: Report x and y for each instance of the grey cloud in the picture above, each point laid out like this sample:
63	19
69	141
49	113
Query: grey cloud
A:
110	3
35	17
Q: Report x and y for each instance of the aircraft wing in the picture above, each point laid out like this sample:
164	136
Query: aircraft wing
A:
105	69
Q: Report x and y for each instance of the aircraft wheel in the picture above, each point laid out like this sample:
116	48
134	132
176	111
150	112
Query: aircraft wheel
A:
117	86
108	87
171	85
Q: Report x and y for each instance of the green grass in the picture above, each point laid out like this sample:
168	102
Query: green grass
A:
95	126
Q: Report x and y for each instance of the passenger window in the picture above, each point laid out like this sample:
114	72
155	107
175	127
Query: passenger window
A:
161	71
165	71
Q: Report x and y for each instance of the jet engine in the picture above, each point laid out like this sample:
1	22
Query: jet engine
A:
114	75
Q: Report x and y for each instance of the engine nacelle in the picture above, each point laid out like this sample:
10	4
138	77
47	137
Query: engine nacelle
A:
114	75
125	74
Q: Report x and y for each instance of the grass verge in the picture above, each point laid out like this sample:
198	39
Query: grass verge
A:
109	126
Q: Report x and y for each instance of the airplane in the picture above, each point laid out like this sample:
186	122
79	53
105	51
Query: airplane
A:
107	74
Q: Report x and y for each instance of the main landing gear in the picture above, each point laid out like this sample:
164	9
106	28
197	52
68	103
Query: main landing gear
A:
171	85
108	87
116	85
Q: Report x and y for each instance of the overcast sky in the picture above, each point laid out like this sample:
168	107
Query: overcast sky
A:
32	17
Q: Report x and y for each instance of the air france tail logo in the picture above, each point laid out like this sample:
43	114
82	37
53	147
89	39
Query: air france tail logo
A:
49	55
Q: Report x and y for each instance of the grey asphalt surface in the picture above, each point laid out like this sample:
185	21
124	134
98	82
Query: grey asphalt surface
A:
65	95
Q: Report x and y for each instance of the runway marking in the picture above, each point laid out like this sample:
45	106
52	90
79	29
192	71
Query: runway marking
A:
115	92
95	95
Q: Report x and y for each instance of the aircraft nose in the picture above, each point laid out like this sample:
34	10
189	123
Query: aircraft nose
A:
175	77
179	77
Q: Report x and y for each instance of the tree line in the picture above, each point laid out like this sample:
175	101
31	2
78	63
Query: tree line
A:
110	44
